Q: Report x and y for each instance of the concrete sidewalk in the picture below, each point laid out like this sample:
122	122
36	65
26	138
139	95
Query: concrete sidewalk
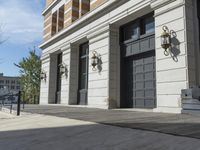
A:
43	132
173	124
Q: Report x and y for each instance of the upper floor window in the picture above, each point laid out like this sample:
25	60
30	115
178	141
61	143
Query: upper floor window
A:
7	81
140	27
13	82
1	81
57	20
84	7
131	31
147	25
61	18
54	23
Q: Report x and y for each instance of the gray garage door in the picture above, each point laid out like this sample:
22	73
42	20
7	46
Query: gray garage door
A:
138	73
140	87
138	81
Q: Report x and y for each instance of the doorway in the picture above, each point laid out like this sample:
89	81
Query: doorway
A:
83	74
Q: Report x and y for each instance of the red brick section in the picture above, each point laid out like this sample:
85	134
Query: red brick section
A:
47	26
71	12
66	15
54	23
61	18
96	3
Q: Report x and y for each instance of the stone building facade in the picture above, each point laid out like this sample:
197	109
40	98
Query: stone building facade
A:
131	69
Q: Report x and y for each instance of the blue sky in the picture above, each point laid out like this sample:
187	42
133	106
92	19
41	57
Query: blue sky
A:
22	25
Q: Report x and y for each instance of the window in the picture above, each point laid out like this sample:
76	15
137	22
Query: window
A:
13	82
61	18
54	23
131	32
18	87
7	81
1	86
147	25
142	26
12	87
2	81
84	7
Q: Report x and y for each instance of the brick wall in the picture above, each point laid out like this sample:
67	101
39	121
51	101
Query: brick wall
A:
96	3
47	26
84	7
66	15
71	12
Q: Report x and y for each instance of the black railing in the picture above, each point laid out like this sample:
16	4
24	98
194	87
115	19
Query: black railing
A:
9	100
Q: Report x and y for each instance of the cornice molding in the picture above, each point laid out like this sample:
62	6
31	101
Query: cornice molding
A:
48	8
155	4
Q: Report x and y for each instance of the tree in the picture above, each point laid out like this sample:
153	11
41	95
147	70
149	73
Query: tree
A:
30	69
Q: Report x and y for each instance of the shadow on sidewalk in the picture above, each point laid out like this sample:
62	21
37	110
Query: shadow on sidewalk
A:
92	137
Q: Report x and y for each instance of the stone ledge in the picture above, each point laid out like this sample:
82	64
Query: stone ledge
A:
155	4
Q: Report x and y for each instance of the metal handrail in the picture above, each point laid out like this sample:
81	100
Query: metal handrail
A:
4	99
11	102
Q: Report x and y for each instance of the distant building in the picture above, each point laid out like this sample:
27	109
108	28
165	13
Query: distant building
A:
9	84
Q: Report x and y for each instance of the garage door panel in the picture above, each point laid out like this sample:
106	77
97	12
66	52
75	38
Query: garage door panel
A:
149	84
148	67
139	85
150	93
139	77
139	103
139	94
140	80
149	103
149	76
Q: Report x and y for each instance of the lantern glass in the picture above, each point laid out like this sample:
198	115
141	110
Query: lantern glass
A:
165	40
62	69
42	76
94	60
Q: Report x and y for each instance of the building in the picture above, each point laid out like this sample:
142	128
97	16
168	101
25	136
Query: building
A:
9	85
109	53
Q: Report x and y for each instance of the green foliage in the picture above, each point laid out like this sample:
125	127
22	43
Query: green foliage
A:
30	69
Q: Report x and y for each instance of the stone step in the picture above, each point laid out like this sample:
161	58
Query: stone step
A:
191	104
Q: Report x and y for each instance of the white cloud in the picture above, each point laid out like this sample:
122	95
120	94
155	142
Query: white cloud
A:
22	20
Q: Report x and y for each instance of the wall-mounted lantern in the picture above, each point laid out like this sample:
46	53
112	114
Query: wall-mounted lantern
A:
43	75
63	69
94	59
165	40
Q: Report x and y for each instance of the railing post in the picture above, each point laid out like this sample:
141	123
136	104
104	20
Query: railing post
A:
1	105
11	107
23	99
18	103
